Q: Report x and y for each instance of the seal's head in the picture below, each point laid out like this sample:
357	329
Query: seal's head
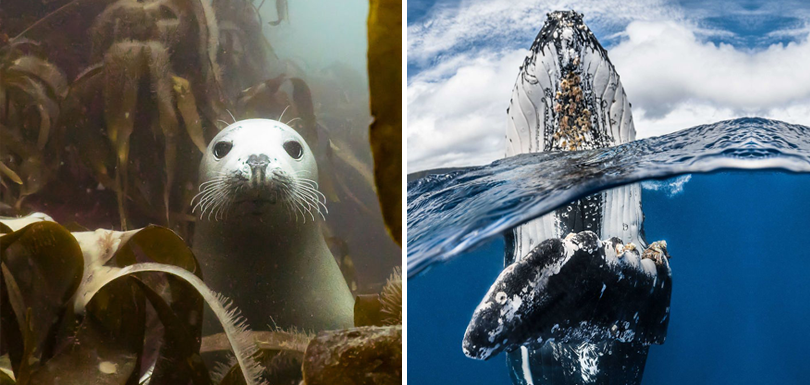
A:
258	166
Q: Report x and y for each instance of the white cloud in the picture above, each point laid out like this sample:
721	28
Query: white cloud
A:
673	78
686	114
505	21
459	120
663	64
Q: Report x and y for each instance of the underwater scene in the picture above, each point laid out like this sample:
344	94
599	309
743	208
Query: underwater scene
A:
737	306
200	192
580	251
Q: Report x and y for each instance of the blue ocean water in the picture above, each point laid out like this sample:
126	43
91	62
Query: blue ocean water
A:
739	310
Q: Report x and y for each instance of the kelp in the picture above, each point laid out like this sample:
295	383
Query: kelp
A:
282	13
391	299
81	307
31	89
187	106
385	81
369	353
10	174
384	309
75	307
281	353
126	64
144	87
67	146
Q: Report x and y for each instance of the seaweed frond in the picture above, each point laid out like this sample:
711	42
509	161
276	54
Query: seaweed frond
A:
391	298
221	369
233	324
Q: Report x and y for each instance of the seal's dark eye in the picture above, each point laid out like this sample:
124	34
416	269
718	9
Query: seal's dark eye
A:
294	149
222	148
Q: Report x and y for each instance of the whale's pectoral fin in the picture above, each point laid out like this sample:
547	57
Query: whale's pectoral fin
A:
574	303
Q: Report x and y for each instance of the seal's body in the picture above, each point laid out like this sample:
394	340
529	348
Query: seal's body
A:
258	238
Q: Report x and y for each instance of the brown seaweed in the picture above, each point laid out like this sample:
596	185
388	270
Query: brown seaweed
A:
69	309
385	81
92	135
282	13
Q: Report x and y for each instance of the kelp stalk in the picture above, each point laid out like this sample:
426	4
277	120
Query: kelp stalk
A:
233	324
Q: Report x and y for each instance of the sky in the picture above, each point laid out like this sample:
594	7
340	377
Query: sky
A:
682	63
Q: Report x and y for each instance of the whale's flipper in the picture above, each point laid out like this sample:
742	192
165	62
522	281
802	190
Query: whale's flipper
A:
568	96
575	311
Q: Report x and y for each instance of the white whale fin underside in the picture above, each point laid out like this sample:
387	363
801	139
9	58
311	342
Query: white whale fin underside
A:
568	96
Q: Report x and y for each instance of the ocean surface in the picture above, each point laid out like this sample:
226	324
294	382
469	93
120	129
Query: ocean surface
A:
738	240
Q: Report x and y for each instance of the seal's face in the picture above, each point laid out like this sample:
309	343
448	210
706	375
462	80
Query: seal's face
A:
256	166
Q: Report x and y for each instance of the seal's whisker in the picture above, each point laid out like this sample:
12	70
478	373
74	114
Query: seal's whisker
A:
301	200
292	120
309	185
308	182
214	201
309	211
222	211
312	203
316	194
289	210
282	113
295	209
321	208
311	196
207	194
203	198
209	183
211	188
300	207
232	117
217	208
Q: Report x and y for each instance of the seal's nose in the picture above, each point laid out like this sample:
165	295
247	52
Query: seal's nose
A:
258	167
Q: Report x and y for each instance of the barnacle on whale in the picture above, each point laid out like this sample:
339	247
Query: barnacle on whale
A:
574	121
657	251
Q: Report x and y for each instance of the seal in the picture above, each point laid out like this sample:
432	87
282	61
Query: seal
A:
258	236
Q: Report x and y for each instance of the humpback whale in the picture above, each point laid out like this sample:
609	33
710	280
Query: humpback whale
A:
568	97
